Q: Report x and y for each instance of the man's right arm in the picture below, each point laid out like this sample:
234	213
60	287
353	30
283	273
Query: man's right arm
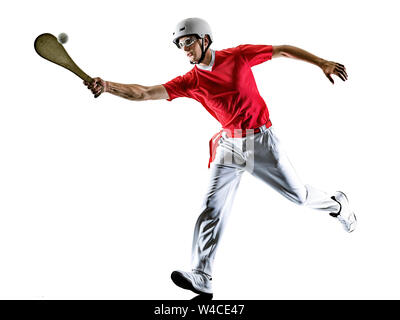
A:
134	92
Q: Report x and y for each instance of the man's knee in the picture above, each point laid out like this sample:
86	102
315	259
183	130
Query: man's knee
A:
299	197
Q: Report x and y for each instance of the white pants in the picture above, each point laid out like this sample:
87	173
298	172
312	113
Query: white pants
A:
262	156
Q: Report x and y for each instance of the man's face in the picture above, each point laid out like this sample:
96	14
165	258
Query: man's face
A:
192	47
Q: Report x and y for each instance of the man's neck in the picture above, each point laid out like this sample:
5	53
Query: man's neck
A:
207	59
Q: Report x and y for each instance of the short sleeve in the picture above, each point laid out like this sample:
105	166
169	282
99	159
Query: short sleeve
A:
178	87
256	54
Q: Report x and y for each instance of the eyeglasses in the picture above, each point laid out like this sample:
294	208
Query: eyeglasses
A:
187	42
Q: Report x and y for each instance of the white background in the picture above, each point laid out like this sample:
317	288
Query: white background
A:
99	197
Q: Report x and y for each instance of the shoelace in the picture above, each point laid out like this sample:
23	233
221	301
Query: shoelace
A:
202	273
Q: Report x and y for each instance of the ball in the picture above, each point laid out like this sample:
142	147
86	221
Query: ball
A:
62	38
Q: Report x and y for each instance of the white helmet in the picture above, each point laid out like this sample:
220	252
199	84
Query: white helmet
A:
193	26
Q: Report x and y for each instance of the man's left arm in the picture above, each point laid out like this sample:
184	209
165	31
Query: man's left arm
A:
328	67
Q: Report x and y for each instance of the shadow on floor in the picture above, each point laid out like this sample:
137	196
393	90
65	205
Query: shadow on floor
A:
202	298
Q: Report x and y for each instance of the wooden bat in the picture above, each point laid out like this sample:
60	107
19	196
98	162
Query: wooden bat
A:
48	47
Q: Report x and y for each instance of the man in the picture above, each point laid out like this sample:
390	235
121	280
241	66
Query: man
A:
222	81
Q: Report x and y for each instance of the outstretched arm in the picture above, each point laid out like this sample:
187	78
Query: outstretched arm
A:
328	67
133	92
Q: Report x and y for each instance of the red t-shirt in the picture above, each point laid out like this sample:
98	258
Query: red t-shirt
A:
229	91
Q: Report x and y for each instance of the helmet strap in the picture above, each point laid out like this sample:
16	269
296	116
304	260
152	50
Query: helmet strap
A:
203	52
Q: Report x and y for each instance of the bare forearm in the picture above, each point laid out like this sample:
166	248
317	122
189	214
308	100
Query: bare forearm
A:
328	67
134	92
297	53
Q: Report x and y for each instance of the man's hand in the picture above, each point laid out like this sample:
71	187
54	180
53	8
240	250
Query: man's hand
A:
330	67
97	86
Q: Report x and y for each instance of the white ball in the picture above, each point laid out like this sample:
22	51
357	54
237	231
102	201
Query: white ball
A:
62	38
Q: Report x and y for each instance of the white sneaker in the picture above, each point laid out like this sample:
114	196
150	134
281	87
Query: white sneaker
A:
346	215
197	281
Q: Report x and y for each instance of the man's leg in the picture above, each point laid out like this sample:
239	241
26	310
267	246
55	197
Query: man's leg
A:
223	184
273	167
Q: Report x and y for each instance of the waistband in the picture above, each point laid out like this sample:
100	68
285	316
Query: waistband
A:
239	133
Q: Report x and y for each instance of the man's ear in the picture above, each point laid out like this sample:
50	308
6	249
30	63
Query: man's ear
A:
206	41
